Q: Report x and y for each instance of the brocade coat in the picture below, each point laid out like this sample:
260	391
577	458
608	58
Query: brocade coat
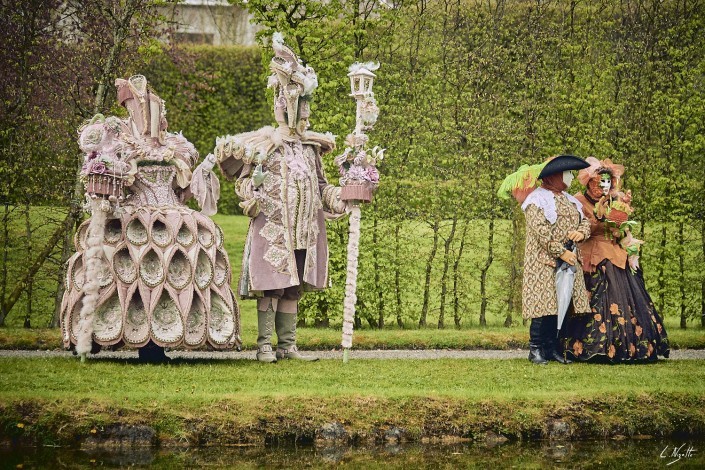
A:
549	218
287	209
600	245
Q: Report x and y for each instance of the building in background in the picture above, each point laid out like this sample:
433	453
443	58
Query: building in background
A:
214	22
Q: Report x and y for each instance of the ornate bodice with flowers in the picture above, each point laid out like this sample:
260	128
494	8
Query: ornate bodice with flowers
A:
153	186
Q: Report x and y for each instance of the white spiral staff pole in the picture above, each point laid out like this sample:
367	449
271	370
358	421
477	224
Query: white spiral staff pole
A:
91	286
351	279
355	189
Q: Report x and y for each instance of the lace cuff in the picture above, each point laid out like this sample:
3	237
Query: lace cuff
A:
331	200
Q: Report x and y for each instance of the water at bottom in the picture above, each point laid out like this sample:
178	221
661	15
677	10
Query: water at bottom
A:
624	454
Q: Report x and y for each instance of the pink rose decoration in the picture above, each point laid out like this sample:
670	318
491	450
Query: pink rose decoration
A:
373	175
357	173
98	168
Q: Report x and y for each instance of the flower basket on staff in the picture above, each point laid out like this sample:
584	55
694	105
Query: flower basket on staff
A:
359	179
103	171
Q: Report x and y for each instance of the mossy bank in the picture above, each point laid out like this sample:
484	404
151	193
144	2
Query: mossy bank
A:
200	403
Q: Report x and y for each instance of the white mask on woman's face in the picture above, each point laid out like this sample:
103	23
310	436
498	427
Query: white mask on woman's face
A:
606	184
568	178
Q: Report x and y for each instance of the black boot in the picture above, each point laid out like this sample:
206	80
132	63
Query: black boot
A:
550	340
152	354
535	340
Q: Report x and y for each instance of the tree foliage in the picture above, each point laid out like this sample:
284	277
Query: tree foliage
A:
469	90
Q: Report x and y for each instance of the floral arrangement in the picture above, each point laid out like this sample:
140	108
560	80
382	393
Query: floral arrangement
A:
357	164
615	210
102	169
618	211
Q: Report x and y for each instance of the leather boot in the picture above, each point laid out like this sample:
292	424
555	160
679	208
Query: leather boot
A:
553	353
550	340
286	338
535	342
265	327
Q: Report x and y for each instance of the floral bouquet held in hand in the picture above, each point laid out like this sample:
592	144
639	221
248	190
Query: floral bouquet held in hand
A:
615	209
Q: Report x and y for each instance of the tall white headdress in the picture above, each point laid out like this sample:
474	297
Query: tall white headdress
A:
291	80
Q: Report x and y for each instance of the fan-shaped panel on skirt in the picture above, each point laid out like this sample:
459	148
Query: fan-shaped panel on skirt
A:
204	270
113	232
166	319
74	302
79	238
124	265
179	270
136	329
196	322
221	324
151	268
108	320
160	232
219	236
185	236
222	268
205	235
136	232
74	318
78	273
105	273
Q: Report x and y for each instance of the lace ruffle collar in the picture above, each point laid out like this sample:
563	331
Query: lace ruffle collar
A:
544	200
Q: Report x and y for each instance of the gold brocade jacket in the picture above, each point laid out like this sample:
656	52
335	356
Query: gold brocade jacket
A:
545	241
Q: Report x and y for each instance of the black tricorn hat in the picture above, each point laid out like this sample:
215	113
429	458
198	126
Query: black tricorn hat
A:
563	163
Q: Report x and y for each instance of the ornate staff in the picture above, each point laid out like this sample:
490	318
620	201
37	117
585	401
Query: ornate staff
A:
359	179
103	176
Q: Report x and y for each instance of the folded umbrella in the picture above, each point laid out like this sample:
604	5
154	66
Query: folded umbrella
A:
565	279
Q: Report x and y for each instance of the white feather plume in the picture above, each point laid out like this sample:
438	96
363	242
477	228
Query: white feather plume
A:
277	39
371	66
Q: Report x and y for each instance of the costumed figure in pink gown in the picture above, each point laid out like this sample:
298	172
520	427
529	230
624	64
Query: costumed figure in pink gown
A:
148	271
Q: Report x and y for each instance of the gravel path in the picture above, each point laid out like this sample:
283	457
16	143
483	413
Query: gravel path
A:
680	354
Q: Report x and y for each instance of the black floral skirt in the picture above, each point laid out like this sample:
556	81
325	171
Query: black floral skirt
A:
624	325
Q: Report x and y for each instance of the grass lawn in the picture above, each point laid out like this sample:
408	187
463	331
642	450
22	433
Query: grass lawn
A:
491	337
53	399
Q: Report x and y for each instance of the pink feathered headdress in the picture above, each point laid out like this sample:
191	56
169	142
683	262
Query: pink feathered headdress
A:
596	165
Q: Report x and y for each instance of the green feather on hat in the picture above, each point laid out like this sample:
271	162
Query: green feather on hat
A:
520	183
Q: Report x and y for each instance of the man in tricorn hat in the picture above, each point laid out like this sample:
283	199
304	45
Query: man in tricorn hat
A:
554	219
554	224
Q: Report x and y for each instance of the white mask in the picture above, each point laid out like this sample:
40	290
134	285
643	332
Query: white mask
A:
568	178
605	184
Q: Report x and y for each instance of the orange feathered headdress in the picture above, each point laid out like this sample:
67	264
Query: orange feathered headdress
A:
596	168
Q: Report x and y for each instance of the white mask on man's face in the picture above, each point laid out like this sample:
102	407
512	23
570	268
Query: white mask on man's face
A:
568	178
605	184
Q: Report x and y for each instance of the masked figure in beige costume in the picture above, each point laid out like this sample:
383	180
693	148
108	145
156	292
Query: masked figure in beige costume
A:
279	179
149	272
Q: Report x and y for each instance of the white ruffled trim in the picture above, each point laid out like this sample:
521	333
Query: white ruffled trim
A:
544	200
205	186
576	203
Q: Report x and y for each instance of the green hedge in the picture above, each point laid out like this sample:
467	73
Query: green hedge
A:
212	91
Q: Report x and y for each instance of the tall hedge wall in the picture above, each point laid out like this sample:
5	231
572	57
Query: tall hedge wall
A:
212	91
